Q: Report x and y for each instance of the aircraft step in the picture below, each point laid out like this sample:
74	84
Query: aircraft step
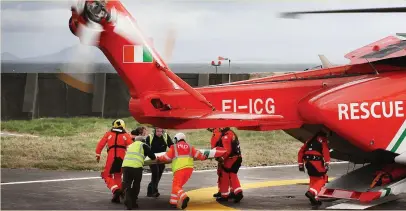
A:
356	205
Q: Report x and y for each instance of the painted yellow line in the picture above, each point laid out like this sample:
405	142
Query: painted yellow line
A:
202	199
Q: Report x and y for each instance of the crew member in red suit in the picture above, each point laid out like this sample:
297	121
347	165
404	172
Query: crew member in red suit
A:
181	154
117	140
214	139
229	164
315	155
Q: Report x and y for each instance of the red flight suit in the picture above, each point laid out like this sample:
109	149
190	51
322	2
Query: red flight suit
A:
214	139
232	163
183	173
315	154
117	141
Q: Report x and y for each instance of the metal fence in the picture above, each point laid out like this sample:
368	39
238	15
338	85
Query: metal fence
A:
36	95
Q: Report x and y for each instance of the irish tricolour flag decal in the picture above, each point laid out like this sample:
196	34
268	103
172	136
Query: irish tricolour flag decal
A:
136	54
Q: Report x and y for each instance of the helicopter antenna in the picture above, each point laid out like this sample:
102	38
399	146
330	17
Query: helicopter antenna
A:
376	71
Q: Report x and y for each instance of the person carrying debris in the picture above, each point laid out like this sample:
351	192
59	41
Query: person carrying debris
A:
228	165
315	156
117	140
159	141
133	166
181	154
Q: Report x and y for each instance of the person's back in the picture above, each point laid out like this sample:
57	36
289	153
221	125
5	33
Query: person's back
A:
117	140
181	153
132	171
315	156
230	164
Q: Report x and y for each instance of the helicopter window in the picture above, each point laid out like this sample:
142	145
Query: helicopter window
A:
386	51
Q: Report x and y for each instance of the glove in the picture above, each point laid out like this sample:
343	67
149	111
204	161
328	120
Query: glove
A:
210	129
301	167
98	158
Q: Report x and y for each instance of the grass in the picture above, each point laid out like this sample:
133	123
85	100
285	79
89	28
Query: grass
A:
69	144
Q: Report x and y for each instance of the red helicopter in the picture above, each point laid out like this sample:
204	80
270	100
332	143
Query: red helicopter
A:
363	103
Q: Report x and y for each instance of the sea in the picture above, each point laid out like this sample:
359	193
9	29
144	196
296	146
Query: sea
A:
233	68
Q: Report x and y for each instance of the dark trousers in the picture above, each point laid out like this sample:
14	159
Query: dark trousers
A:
131	185
156	173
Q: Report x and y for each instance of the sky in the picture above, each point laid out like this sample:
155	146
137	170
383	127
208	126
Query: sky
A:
244	31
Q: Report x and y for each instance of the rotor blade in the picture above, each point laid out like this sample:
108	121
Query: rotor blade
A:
169	44
367	10
78	73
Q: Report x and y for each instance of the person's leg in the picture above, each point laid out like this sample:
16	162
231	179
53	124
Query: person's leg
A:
218	194
185	176
108	178
137	173
154	175
127	182
175	189
236	187
161	168
117	179
224	186
312	192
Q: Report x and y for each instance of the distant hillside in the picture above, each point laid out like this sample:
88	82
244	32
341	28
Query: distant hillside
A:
8	57
52	63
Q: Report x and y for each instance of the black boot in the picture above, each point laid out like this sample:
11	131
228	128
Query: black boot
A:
150	190
184	203
116	196
218	194
238	197
312	199
231	195
220	199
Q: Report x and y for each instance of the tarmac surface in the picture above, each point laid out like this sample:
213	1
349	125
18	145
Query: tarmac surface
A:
280	187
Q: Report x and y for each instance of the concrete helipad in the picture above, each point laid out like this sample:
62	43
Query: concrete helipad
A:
280	187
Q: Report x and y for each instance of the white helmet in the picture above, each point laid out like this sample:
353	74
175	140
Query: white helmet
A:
179	136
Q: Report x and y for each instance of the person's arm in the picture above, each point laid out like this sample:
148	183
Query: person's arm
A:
197	154
148	152
148	141
128	139
301	154
100	146
168	156
215	137
170	142
326	150
226	139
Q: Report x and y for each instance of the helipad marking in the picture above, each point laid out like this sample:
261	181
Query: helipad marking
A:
202	199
